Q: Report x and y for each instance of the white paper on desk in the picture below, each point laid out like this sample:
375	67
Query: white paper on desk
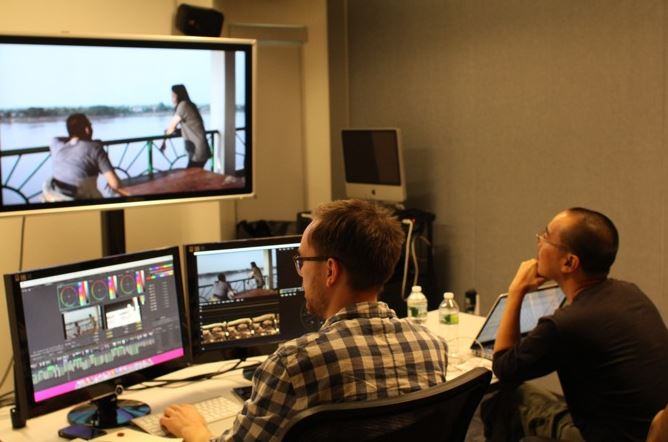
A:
133	436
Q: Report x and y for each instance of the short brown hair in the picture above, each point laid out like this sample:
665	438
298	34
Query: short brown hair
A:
77	124
364	236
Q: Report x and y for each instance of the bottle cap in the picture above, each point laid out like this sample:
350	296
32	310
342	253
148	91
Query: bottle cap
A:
448	295
416	288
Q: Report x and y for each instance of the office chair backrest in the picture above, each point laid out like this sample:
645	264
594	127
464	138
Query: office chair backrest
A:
439	413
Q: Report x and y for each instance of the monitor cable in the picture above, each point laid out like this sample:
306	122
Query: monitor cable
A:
409	240
5	375
8	397
22	242
416	273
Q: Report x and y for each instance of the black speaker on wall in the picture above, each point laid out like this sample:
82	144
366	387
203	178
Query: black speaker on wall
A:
203	22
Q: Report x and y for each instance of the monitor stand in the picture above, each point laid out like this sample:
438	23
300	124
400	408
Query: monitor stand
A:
113	232
108	412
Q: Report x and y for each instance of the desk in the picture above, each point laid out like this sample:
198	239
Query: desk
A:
44	428
179	181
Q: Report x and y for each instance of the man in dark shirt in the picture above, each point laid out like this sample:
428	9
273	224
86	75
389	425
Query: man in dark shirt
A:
609	344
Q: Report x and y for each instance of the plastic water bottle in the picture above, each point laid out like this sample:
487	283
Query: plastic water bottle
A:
448	315
417	305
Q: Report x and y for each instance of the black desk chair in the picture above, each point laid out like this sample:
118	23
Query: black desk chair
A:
439	413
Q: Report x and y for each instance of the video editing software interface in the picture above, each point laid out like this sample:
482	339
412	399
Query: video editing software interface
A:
89	326
245	293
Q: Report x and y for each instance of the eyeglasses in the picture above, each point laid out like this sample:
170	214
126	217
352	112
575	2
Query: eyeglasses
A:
542	236
299	261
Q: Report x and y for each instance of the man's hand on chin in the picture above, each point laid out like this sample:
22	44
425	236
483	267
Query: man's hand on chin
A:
526	279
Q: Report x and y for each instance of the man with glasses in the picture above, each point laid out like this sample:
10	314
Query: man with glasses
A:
609	345
362	351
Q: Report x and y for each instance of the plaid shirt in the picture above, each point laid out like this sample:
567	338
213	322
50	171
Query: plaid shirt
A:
363	352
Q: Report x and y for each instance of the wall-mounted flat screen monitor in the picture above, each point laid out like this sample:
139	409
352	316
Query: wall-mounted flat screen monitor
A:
245	297
113	122
373	162
79	331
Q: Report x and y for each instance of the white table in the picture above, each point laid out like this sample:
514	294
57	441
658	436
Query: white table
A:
44	428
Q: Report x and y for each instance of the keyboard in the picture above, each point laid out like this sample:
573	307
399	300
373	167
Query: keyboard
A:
212	410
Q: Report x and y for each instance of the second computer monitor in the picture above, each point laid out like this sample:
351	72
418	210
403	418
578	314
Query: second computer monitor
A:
82	330
245	297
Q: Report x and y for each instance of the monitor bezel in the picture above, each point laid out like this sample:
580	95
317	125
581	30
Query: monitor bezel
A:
151	41
26	407
390	193
244	349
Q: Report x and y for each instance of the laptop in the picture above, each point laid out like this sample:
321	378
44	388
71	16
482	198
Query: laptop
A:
536	304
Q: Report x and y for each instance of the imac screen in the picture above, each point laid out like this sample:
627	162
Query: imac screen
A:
81	330
109	122
373	163
245	296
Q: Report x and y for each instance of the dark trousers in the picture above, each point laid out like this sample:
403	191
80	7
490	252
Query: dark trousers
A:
527	410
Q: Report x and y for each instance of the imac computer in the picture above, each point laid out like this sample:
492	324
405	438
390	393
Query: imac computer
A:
81	332
374	165
245	297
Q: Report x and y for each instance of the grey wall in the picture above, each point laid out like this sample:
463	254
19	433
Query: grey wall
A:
512	111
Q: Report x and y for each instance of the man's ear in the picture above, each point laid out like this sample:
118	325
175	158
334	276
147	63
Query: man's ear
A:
334	270
570	264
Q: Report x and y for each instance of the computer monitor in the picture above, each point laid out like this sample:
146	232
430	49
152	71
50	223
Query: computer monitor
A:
245	297
84	331
373	161
128	87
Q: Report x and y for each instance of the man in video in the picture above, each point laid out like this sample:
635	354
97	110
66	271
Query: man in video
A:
77	161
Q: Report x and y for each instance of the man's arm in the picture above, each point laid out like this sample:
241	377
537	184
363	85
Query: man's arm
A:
271	404
526	279
114	182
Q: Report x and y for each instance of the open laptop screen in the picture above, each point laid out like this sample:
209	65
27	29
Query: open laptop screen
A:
535	305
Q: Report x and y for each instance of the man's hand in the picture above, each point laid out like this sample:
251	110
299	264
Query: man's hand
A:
183	420
526	279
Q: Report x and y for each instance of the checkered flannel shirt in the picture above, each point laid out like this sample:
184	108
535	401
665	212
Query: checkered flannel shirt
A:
363	352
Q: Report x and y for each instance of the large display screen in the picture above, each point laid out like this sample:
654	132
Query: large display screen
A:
108	122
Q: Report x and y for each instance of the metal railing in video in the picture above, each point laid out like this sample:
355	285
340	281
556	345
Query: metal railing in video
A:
131	157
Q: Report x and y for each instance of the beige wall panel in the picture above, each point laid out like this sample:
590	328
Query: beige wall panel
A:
315	92
279	152
88	16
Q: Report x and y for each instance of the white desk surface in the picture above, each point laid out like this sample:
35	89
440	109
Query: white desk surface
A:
44	428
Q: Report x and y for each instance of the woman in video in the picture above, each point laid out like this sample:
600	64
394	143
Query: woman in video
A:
187	116
256	274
